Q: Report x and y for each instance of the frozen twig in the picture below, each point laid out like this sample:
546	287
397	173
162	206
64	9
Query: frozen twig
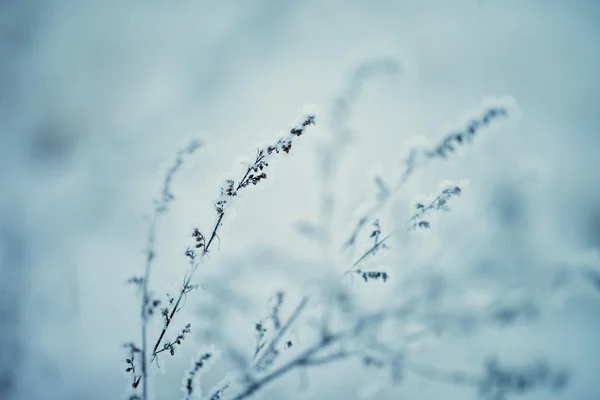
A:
255	173
147	305
419	157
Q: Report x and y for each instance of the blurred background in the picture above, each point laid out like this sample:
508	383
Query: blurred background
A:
97	97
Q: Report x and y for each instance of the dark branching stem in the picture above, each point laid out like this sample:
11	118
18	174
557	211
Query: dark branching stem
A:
185	288
161	207
282	145
418	158
186	284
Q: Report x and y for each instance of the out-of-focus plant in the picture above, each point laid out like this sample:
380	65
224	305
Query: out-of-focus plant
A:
343	329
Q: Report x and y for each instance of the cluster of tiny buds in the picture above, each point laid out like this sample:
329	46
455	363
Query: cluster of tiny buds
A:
170	346
372	275
447	145
152	306
256	171
199	243
130	361
199	238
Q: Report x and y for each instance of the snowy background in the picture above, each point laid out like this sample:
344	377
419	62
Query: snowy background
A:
96	98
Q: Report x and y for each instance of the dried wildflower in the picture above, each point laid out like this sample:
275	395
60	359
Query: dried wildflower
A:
420	157
229	190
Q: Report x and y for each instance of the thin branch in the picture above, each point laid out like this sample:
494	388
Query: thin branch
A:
185	289
310	356
272	347
371	250
161	207
301	360
418	158
251	176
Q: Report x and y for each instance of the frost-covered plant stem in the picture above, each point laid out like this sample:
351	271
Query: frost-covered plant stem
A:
419	158
229	191
416	159
185	288
161	207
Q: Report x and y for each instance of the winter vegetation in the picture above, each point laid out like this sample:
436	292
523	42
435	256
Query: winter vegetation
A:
313	319
423	224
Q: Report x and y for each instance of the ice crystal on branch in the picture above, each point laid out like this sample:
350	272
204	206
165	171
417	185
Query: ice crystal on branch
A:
254	174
